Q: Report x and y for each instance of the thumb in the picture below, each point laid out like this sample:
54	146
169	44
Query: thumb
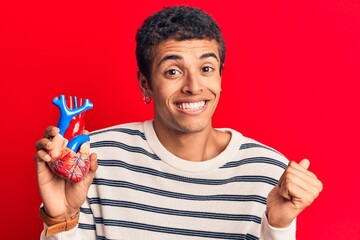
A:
305	163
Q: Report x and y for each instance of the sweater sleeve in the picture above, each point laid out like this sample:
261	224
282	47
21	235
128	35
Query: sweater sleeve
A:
268	232
84	230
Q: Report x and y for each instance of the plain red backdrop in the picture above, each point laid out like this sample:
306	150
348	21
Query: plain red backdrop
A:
290	81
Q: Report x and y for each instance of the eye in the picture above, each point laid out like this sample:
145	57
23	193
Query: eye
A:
207	69
173	72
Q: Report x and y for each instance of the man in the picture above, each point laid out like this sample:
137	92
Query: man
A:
175	177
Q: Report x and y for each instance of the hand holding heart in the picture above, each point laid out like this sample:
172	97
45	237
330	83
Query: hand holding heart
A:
62	198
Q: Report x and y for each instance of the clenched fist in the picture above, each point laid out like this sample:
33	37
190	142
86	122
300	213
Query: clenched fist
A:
296	190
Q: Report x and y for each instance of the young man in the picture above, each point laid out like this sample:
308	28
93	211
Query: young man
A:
176	177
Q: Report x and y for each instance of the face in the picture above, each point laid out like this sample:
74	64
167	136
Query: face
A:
186	85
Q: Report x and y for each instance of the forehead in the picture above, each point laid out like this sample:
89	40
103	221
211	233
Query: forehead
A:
185	49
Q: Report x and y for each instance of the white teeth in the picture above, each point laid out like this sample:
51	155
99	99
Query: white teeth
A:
193	106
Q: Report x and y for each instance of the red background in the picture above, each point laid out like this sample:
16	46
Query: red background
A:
290	81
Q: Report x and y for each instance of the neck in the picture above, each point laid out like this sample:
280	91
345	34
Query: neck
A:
194	146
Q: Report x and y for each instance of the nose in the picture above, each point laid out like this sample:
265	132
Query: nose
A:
192	85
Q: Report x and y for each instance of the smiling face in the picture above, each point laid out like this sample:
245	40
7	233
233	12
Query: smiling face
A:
185	85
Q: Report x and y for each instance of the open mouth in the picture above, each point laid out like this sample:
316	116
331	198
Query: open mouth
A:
191	106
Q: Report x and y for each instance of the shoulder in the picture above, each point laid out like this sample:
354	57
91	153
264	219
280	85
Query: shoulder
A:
252	145
255	156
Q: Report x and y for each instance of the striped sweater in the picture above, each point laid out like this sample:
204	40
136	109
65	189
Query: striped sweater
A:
142	191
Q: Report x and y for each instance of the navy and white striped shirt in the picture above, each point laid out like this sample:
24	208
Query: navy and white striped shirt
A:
142	191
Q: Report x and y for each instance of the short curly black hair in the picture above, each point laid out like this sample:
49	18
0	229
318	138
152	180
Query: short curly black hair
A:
178	23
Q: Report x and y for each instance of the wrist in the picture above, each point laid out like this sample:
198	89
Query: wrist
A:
278	221
69	214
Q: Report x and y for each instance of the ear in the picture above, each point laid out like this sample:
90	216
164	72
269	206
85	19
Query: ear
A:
143	84
221	69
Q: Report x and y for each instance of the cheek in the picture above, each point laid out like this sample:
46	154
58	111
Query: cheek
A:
164	91
215	87
160	98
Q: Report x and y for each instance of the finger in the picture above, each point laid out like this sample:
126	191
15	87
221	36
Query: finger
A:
93	163
41	167
85	132
297	195
64	141
43	144
303	175
294	165
296	171
305	163
58	144
42	155
300	180
51	132
91	174
84	148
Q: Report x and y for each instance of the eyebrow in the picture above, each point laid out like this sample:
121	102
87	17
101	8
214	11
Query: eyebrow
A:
169	57
177	57
207	55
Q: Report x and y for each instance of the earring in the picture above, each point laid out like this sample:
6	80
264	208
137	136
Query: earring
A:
147	100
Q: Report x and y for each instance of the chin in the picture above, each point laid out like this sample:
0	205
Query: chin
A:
193	127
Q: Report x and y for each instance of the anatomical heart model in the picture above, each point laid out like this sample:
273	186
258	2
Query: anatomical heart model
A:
70	163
